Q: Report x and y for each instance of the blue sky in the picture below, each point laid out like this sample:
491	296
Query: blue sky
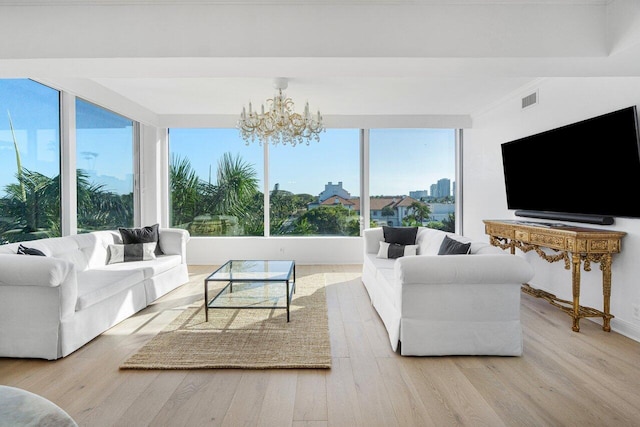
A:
401	160
103	139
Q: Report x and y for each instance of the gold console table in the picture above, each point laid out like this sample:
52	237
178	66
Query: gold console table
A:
574	246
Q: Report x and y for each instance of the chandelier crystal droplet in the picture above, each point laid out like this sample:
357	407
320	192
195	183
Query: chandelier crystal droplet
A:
280	124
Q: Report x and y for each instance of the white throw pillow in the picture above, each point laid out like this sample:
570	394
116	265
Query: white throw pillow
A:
394	250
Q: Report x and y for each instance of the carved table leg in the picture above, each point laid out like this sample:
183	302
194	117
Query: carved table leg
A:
605	266
575	277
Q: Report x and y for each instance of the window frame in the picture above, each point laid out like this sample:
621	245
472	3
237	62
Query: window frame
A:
364	157
67	159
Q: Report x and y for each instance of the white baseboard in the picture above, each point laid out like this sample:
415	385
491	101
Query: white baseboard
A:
625	328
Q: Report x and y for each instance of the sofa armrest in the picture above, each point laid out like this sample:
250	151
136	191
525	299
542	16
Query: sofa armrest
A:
36	295
33	270
372	239
173	241
463	269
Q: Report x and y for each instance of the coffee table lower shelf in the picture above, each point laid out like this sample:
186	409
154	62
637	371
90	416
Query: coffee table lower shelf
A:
253	295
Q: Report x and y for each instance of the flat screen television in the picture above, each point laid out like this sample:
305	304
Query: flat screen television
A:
587	171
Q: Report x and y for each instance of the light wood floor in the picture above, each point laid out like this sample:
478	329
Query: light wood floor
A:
591	378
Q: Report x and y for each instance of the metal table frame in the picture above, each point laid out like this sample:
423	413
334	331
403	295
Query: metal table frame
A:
289	278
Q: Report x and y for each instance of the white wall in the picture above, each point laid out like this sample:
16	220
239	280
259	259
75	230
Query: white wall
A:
562	101
304	250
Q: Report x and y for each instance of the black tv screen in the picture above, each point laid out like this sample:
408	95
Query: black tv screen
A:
591	167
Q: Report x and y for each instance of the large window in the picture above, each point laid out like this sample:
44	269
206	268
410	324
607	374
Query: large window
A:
412	177
29	161
216	183
105	152
315	188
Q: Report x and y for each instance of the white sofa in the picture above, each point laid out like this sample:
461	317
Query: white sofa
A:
435	305
52	305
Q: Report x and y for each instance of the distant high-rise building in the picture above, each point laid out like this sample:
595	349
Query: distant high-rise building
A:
419	194
444	187
434	190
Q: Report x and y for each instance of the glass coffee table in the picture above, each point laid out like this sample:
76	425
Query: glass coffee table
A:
252	284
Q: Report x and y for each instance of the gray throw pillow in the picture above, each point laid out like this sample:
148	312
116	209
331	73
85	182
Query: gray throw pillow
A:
450	246
394	250
23	250
131	252
400	235
149	234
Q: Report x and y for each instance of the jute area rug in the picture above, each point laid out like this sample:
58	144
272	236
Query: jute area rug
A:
246	338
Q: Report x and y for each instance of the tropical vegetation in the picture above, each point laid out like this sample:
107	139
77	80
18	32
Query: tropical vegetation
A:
30	207
231	205
234	205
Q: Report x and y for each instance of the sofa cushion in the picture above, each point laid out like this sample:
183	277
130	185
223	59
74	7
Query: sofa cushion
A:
394	250
132	252
142	235
450	246
400	235
429	241
148	269
97	285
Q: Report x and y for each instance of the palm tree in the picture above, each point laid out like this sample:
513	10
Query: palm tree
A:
419	212
183	183
233	194
235	186
100	209
18	160
33	202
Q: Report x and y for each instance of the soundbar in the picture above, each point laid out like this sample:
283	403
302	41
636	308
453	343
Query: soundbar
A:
585	218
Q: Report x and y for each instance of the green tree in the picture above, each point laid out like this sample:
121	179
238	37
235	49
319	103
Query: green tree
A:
34	206
285	208
419	213
100	209
437	225
254	220
388	211
183	185
304	228
236	185
230	204
450	223
353	227
282	211
329	220
33	203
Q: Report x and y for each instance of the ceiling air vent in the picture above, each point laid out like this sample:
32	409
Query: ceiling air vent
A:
530	100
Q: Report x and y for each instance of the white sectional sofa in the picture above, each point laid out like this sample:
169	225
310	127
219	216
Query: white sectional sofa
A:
437	305
52	305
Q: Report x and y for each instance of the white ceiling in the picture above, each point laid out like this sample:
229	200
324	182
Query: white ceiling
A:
335	96
162	60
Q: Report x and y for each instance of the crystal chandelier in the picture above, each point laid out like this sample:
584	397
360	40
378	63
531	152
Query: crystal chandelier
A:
280	124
